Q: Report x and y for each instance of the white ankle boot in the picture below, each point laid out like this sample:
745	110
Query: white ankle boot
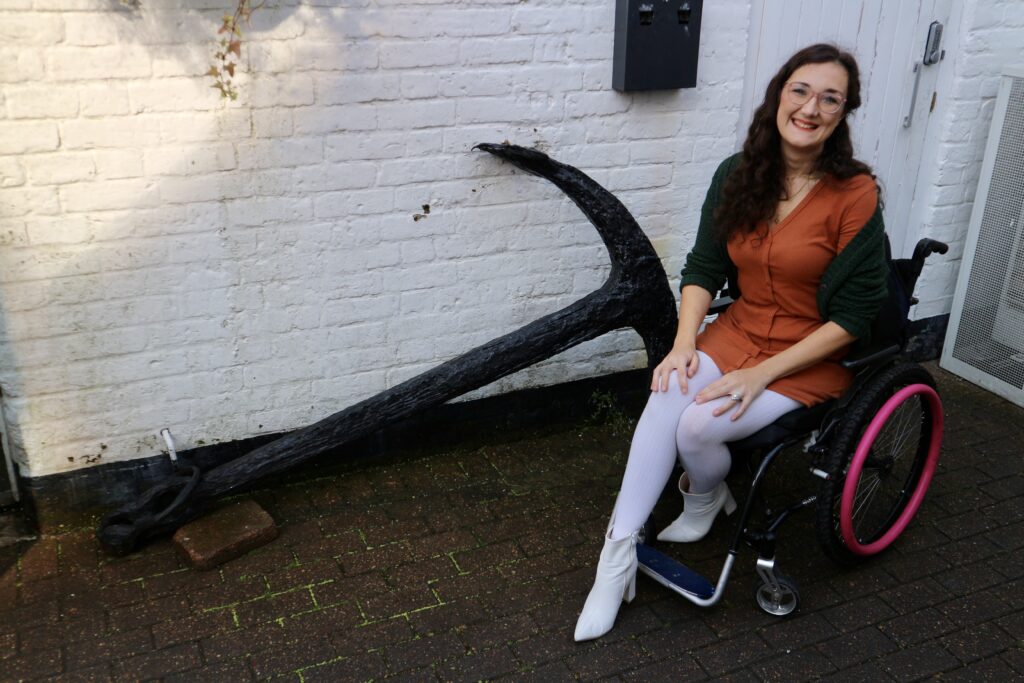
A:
615	582
699	511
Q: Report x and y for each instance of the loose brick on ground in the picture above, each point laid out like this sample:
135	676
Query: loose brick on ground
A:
224	534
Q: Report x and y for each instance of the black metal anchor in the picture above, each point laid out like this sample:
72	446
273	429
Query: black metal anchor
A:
636	294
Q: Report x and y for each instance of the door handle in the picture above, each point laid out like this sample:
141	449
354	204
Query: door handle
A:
913	95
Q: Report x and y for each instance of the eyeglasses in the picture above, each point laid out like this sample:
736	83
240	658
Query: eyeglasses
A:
829	102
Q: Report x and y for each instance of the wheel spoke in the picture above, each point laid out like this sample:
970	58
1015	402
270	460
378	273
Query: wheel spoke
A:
904	429
861	500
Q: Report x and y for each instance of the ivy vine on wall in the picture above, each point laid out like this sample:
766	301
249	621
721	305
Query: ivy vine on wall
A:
229	49
229	46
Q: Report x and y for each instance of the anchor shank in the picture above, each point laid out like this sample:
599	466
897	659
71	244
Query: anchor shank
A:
586	319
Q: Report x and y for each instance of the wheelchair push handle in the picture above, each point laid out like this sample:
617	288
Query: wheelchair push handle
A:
925	248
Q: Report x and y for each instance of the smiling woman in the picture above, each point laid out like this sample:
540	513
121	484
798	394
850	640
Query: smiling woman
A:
793	224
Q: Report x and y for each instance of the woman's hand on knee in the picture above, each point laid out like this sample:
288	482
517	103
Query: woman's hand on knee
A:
684	360
741	387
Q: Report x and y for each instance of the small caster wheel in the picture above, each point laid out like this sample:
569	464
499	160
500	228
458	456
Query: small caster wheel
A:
779	602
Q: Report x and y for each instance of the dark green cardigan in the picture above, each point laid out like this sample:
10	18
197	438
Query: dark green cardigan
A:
852	288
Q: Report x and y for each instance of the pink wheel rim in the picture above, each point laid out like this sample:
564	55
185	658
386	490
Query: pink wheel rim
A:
857	465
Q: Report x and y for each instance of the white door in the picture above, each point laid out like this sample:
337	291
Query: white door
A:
888	39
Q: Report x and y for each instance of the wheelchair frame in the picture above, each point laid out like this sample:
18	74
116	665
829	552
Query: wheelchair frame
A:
817	428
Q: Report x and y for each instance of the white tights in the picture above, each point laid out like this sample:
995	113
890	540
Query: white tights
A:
673	424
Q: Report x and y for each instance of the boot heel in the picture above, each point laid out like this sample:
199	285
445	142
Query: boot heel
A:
730	502
630	591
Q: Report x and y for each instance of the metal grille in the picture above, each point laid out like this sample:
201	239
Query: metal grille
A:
990	334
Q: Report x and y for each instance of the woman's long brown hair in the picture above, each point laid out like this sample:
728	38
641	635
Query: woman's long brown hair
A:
752	190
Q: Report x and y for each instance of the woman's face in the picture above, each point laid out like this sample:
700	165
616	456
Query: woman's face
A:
805	128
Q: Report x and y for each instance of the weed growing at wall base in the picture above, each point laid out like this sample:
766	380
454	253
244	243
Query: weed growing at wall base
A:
605	410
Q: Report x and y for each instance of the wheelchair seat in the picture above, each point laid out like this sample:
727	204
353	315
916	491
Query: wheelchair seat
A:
797	423
793	425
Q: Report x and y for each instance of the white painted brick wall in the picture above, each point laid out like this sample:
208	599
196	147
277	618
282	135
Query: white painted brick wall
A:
228	269
989	36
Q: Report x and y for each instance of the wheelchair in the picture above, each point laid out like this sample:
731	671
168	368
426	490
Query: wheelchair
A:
873	451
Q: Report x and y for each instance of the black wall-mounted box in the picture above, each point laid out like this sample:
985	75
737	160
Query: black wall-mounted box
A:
656	44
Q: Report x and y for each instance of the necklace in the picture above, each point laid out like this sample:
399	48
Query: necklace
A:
807	181
794	195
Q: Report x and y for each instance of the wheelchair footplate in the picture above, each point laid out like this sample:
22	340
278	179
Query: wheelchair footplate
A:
671	574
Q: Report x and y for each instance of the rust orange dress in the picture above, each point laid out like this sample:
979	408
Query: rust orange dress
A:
779	274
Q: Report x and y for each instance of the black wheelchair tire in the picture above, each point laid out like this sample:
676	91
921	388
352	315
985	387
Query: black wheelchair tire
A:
862	409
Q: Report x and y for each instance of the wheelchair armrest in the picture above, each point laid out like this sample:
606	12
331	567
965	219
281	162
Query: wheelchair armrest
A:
719	305
870	356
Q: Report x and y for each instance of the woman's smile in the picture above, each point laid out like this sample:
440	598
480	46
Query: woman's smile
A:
804	125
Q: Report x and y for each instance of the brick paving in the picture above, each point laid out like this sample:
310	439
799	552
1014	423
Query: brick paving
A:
471	562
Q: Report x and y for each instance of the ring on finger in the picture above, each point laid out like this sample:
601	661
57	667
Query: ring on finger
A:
736	396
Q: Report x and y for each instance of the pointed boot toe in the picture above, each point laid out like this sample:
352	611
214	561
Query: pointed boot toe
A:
615	582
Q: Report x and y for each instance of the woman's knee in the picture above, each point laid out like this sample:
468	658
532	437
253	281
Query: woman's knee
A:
673	399
696	426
